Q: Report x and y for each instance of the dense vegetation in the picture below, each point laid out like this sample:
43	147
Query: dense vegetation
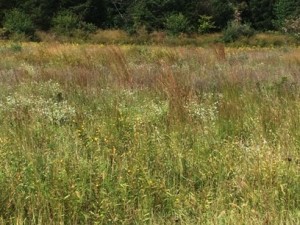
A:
174	16
94	134
95	130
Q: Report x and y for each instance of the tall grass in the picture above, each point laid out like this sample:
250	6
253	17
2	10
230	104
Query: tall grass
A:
93	134
120	37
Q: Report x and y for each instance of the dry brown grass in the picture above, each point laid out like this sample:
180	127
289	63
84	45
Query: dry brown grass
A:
219	50
110	36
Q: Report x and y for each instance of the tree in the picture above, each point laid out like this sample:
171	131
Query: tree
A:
40	11
283	9
222	12
91	11
6	5
117	13
17	22
151	13
261	12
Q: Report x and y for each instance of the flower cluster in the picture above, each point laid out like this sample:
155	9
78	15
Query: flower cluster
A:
43	106
205	111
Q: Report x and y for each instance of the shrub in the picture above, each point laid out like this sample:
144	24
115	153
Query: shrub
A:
65	23
205	24
176	24
87	27
69	24
235	30
16	47
17	22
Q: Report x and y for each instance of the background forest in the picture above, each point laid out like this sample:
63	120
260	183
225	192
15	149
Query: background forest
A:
172	16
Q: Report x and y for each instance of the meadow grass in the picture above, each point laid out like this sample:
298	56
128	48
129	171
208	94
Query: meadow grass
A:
94	134
143	37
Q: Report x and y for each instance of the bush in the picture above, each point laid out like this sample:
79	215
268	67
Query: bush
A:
16	47
69	24
176	24
65	23
205	24
19	23
235	30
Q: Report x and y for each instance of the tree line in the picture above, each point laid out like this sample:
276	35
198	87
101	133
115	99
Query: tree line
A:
175	16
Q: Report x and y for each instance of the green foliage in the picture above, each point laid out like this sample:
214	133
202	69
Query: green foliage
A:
235	30
284	9
206	24
176	24
287	17
87	27
40	11
15	47
292	26
67	23
80	17
259	13
222	12
18	22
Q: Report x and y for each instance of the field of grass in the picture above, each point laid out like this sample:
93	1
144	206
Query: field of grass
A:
93	134
119	37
